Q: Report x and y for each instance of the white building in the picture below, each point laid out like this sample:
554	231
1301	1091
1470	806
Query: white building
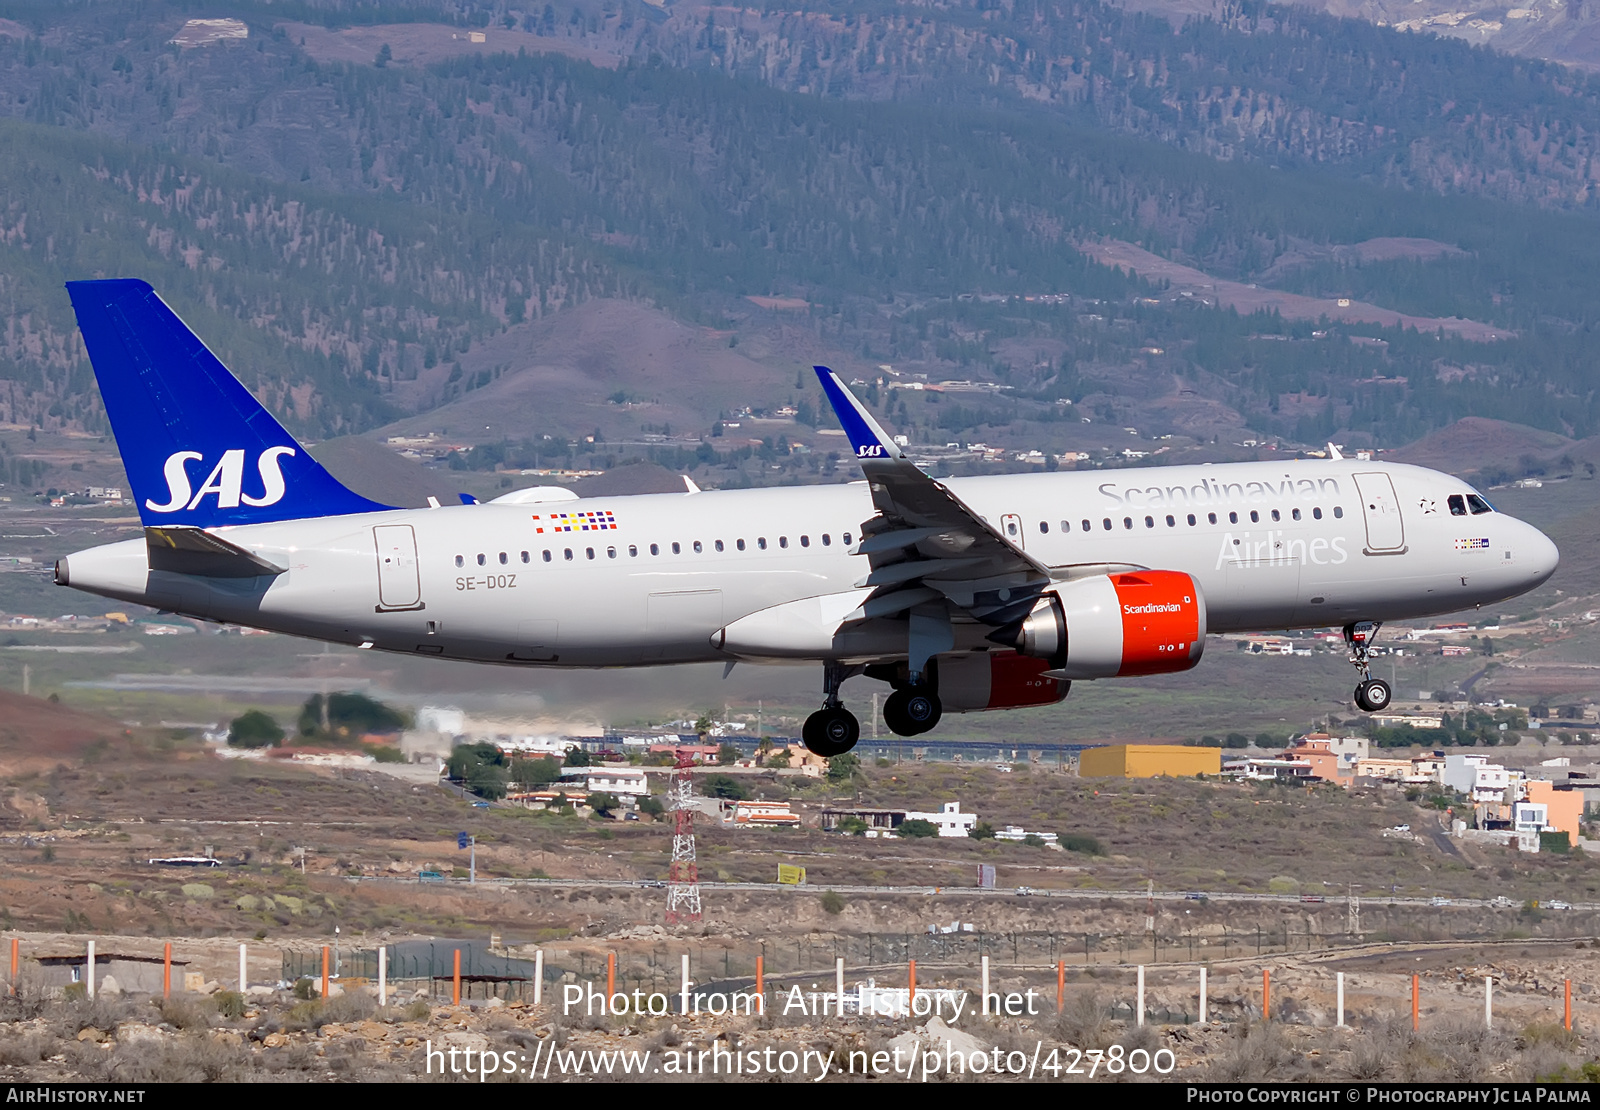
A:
950	821
1476	777
1017	832
625	782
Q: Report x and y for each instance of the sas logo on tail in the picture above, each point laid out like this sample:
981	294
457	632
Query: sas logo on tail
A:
226	480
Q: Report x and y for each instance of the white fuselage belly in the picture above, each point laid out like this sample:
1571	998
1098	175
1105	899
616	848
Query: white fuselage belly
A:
611	602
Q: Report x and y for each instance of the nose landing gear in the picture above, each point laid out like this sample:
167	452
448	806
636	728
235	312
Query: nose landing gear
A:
1372	694
833	729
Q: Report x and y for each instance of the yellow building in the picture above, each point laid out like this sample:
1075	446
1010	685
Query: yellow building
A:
1144	761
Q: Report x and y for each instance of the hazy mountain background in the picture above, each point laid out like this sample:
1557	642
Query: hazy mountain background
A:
611	231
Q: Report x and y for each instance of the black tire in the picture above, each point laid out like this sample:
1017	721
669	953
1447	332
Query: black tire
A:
830	732
1376	696
913	711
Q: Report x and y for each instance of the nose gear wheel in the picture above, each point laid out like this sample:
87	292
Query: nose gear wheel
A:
1372	694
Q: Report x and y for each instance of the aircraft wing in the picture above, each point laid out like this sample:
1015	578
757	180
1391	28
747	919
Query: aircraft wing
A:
925	543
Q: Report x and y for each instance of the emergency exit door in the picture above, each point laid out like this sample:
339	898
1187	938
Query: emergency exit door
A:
399	578
1011	525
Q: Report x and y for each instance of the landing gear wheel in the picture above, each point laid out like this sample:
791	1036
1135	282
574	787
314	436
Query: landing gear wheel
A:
1373	695
830	732
913	711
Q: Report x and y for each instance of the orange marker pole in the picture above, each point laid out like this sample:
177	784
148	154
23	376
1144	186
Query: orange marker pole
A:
911	999
1266	994
1061	985
325	987
1567	1007
760	981
611	975
455	989
1416	1009
166	971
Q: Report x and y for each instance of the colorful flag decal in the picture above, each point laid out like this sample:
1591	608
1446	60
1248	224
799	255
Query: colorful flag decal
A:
598	521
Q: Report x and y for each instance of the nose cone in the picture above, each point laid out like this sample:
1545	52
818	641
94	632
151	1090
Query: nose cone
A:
1542	557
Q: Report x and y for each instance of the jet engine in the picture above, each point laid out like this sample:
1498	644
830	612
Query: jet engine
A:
1111	625
996	680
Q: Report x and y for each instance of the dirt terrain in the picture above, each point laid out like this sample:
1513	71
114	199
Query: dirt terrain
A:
1185	280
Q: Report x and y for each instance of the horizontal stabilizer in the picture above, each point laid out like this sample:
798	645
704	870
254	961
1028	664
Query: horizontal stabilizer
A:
183	550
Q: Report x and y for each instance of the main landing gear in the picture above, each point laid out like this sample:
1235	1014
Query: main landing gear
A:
833	729
914	707
1372	694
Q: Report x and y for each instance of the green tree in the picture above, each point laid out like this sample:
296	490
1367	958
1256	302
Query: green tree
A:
536	772
853	826
652	807
577	757
254	729
348	715
727	754
602	803
385	56
779	759
843	768
1079	842
724	786
481	768
916	828
832	903
982	831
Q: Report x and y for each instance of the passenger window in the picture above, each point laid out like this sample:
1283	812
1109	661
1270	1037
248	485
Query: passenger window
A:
1316	513
783	541
1478	505
655	549
697	547
676	549
826	539
805	541
1338	512
589	551
547	555
633	551
847	539
1296	514
761	542
1212	517
1458	505
611	553
739	544
1127	522
1171	521
1149	522
1255	517
480	559
1044	526
1107	523
460	561
525	557
717	545
1233	518
1191	520
1275	514
566	554
503	559
1086	526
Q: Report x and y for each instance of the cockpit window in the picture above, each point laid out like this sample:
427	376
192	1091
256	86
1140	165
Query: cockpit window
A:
1478	505
1458	505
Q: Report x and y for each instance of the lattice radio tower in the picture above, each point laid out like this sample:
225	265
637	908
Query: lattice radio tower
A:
683	889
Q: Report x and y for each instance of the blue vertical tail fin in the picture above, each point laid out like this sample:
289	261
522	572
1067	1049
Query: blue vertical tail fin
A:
199	449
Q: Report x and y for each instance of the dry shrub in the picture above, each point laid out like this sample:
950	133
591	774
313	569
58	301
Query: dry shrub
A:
103	1012
182	1013
30	999
1369	1061
1083	1022
18	1049
1140	1036
1454	1052
1260	1051
354	1005
195	1058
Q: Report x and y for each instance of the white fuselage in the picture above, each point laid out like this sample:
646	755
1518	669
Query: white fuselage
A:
642	580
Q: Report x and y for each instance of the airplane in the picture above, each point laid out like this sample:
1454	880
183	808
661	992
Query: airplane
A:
963	594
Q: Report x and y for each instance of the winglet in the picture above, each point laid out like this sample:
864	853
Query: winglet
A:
866	435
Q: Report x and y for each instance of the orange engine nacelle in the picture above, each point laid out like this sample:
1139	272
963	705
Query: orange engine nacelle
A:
996	680
1111	625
